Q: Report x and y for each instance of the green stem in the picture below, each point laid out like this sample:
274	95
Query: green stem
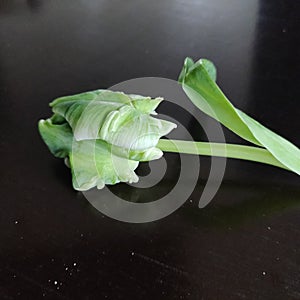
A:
219	149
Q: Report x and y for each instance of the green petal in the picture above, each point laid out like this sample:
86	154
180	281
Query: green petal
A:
93	165
99	114
130	129
86	112
58	138
145	155
92	162
146	105
119	119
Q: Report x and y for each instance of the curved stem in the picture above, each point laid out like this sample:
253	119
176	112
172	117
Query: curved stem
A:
219	149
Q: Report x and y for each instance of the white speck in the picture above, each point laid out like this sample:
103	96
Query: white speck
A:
71	274
74	264
269	228
66	268
44	294
264	273
60	283
132	253
49	280
277	258
103	252
21	238
16	222
55	282
14	276
191	200
57	288
52	259
81	234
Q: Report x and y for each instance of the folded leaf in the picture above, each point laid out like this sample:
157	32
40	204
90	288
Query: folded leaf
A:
198	81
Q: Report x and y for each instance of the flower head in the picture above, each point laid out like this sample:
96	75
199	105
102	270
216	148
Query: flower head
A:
104	134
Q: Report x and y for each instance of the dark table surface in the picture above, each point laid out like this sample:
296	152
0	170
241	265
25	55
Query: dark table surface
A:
54	244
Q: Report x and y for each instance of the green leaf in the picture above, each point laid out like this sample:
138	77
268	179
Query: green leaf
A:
198	81
283	150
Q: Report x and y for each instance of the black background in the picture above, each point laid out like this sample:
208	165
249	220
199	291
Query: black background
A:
54	244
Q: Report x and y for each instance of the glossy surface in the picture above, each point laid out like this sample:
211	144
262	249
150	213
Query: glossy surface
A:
55	245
